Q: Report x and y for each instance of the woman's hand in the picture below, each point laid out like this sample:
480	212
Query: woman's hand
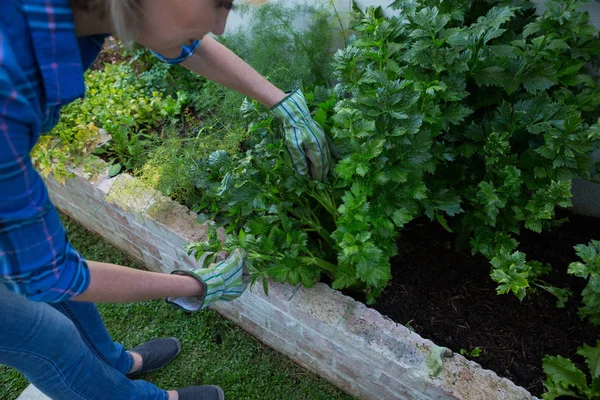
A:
305	139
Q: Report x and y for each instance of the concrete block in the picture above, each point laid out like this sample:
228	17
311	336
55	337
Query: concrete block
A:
32	393
349	344
323	304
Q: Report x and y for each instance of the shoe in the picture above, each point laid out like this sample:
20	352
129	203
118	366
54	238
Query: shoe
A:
201	393
155	354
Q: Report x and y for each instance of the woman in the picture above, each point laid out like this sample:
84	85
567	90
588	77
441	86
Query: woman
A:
49	329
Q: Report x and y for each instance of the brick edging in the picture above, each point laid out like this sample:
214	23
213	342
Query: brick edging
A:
352	346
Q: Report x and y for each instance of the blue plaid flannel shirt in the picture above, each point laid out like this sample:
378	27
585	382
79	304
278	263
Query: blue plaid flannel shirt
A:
41	69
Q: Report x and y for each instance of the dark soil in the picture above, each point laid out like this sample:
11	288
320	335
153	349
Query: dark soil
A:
450	298
110	54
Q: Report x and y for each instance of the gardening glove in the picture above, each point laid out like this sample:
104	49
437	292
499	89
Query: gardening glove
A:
225	280
305	139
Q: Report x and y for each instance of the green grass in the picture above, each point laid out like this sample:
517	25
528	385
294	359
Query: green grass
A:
214	350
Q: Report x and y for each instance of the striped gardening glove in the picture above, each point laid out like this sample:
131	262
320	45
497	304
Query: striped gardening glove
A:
305	138
225	280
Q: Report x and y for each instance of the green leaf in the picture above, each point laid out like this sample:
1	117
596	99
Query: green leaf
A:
596	386
555	392
401	217
294	277
571	69
344	277
562	295
242	238
536	84
579	269
320	116
534	225
440	218
279	273
531	28
114	170
563	373
456	114
592	358
492	76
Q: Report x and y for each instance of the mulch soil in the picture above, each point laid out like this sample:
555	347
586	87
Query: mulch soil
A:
449	297
110	54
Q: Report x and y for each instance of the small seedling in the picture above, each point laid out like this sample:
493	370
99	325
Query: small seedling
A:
475	352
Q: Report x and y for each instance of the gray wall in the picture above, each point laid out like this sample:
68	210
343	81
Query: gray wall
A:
236	20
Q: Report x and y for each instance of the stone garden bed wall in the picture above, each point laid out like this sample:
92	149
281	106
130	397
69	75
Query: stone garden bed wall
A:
350	345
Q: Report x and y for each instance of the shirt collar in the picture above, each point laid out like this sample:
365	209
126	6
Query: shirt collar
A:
52	29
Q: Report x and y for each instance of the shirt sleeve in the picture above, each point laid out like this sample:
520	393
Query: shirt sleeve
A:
186	51
36	259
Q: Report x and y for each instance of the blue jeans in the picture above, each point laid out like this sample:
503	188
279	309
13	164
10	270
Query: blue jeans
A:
66	352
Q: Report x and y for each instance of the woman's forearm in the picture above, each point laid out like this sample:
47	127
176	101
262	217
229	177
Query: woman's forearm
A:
111	283
219	64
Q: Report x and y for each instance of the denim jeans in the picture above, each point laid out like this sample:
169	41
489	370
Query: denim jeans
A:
66	352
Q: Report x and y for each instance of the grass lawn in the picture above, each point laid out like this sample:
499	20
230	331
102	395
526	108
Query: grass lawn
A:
214	350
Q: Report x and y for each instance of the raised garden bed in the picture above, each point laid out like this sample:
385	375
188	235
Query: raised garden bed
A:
449	298
491	162
352	346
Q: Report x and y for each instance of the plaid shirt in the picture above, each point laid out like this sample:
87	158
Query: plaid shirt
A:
41	69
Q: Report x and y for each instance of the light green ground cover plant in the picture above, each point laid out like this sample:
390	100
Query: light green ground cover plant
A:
116	102
215	351
565	379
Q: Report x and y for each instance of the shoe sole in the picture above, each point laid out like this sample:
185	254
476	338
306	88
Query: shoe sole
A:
139	374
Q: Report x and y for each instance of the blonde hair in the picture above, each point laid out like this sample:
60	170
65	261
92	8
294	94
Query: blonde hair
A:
126	15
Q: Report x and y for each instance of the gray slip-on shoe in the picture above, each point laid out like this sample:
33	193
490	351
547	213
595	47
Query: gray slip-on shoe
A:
201	393
155	354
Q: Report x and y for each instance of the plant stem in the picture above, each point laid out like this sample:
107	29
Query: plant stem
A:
325	200
339	20
327	266
314	223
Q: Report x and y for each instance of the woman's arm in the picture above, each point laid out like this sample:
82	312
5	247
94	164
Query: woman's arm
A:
219	64
111	283
305	139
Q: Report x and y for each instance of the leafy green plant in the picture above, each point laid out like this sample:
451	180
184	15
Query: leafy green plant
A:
174	159
72	148
116	101
430	119
279	217
589	269
565	379
474	352
474	114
